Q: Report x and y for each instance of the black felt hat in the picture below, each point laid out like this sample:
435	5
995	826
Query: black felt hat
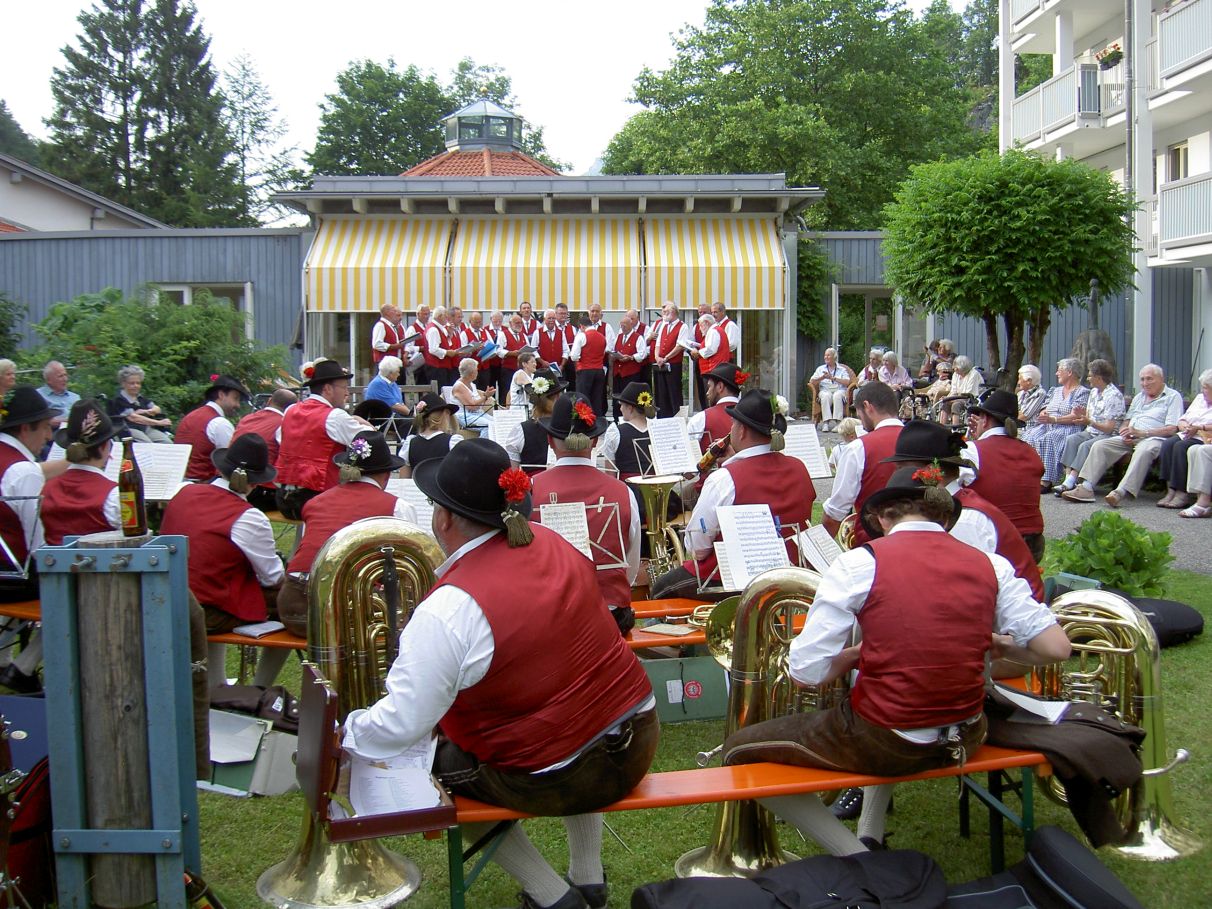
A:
24	405
572	414
227	383
431	401
248	453
88	425
638	395
906	483
552	385
758	409
471	481
925	440
321	371
1001	405
369	453
729	374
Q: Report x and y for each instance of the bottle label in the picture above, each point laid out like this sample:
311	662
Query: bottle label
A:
129	504
126	465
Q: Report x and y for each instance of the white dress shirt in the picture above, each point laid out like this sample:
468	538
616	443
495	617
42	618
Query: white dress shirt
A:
674	327
733	332
110	509
973	527
610	332
641	346
24	479
219	431
711	342
697	424
508	333
378	337
609	445
254	536
579	342
849	478
555	333
435	339
718	490
340	425
971	453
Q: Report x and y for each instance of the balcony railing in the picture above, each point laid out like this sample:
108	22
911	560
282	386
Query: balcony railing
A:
1020	9
1154	80
1150	241
1027	116
1185	211
1184	36
1058	97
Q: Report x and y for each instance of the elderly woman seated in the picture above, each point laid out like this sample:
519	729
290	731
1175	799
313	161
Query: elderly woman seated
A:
1194	428
941	387
967	381
1104	411
871	372
1199	482
1031	394
1063	415
144	419
383	387
474	405
832	383
892	373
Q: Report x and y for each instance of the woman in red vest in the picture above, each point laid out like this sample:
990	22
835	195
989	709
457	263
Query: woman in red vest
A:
918	701
82	499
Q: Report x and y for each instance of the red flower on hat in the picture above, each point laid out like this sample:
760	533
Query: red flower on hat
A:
741	377
214	377
928	476
309	371
516	484
584	413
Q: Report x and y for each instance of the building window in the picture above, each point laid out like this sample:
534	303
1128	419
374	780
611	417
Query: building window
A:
1177	166
238	296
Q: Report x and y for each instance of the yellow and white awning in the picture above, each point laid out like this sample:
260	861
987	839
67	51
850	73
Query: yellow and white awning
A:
496	263
357	265
735	261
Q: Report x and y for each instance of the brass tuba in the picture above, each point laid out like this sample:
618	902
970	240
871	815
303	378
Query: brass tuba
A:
750	635
846	530
351	638
664	546
1119	669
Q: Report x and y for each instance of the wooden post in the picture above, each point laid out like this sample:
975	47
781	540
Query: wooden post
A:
114	715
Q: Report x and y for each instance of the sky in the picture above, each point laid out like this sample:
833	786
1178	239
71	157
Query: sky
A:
573	63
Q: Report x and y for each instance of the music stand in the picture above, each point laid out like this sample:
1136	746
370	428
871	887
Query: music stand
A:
786	531
20	569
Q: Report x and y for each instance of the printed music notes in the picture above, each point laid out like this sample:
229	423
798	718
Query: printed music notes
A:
504	419
163	466
803	443
401	783
727	581
751	541
672	450
818	548
410	493
569	521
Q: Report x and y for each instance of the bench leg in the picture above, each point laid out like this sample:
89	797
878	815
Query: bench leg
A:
997	832
455	857
965	810
454	862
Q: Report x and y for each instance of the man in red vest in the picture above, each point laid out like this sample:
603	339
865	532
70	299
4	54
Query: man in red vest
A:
529	323
441	350
700	337
366	466
552	344
930	608
266	422
758	474
387	336
475	333
420	328
312	431
667	340
861	469
589	354
512	339
610	508
564	320
209	426
234	568
627	356
731	329
713	351
723	388
1008	470
547	731
600	325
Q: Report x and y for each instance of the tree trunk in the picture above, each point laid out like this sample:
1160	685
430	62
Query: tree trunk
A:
992	348
1041	320
1008	378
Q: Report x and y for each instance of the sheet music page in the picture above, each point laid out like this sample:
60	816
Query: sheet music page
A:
819	549
401	783
504	419
672	450
569	521
727	581
163	466
407	490
751	540
803	443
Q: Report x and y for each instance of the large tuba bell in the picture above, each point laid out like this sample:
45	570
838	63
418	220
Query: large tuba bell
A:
750	635
664	546
353	622
846	530
1118	667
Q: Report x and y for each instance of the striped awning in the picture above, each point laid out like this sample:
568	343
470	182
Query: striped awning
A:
497	263
357	265
735	261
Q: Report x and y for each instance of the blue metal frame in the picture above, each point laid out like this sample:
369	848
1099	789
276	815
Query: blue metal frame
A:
173	838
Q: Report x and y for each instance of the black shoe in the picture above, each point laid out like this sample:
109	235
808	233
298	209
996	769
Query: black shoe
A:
874	845
848	805
570	900
593	894
14	679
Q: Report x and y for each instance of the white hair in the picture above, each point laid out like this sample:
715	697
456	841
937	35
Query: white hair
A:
1071	365
390	365
890	355
830	350
466	365
1031	372
1154	368
46	370
706	319
874	352
1205	377
963	364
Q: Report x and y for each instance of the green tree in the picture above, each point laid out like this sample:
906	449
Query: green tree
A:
843	95
12	313
179	346
137	117
979	49
1005	239
14	140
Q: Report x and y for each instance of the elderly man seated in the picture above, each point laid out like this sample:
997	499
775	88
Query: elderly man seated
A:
1152	418
832	383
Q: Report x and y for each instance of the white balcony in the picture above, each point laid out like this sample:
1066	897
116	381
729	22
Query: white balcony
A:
1184	38
1072	107
1185	212
1021	9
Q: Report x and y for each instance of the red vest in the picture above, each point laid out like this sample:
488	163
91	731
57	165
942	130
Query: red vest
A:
454	335
513	342
578	483
722	355
305	455
540	704
73	504
551	349
593	350
219	573
446	341
877	445
1009	478
10	522
264	423
770	479
419	329
529	325
626	344
334	509
570	332
479	339
391	335
923	657
717	424
667	340
192	431
1010	544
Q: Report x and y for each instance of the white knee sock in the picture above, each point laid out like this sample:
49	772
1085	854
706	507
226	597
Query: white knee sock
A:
216	664
585	848
875	808
809	814
518	857
269	664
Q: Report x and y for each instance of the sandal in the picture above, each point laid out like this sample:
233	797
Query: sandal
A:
1196	511
1179	502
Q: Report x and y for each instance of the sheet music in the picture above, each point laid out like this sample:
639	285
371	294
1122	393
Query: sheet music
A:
751	540
163	466
569	521
401	783
672	450
818	548
503	422
727	581
408	490
803	443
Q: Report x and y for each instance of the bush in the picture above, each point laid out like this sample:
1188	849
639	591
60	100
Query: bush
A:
1114	550
179	347
11	314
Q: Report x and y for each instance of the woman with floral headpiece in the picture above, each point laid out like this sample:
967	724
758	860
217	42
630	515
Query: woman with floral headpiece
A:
626	445
433	432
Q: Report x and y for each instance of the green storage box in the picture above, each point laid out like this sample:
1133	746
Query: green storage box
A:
688	688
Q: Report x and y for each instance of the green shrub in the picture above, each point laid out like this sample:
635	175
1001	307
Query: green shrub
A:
1117	552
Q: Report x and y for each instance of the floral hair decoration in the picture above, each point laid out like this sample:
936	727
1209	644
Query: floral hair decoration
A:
584	413
932	478
214	377
309	369
541	386
515	483
644	399
741	377
359	449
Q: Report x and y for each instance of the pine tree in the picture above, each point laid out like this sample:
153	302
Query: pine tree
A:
14	140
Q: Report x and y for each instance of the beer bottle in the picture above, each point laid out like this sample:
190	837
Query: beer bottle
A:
130	493
714	452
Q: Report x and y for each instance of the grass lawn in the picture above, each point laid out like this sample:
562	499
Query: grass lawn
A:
242	837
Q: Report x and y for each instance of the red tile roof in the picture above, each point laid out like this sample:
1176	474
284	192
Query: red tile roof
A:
482	162
6	228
